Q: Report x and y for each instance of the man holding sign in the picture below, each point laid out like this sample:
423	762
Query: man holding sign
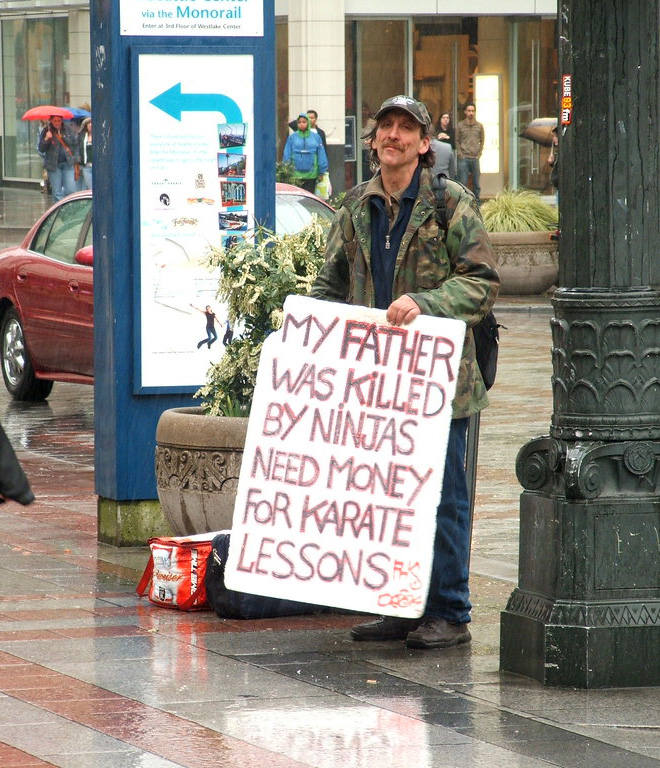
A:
386	250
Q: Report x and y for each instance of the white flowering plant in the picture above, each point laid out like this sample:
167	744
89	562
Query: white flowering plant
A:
257	273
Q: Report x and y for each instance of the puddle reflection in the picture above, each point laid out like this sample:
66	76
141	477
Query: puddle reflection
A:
62	426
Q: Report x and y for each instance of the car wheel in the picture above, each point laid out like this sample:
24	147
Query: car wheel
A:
17	369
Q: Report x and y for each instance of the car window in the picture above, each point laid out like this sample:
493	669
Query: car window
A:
59	235
89	235
293	212
39	242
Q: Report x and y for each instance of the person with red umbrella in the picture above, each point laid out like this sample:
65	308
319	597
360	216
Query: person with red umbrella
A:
58	146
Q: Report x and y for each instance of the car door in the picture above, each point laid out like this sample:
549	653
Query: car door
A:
55	295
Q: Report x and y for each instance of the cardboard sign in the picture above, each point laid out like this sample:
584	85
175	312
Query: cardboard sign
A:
344	457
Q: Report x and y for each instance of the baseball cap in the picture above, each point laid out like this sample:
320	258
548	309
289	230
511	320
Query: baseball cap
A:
412	107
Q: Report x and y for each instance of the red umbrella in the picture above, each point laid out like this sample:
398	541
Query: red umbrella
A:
46	111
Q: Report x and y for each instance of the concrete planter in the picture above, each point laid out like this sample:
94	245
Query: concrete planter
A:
528	262
198	460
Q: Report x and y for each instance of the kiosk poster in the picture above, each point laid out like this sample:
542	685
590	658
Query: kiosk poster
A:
192	18
344	457
196	190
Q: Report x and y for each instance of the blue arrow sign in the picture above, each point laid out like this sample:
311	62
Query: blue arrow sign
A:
173	103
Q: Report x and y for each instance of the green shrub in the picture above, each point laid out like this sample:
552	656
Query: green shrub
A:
284	173
256	276
518	210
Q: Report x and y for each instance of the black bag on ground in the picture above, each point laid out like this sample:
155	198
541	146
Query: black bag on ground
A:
229	604
486	332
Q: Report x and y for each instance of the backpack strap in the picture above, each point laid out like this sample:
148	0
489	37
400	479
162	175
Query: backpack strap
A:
439	185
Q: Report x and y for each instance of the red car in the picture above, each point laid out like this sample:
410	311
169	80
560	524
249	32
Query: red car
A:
46	292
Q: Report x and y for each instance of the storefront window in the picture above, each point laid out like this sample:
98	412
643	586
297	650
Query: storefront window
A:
518	59
444	62
376	64
440	60
35	55
534	90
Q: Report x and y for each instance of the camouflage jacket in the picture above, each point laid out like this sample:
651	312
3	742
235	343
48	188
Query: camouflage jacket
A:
453	278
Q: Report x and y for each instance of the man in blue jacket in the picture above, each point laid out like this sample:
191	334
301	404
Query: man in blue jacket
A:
305	153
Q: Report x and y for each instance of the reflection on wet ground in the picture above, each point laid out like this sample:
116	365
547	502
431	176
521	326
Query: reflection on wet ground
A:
19	210
61	427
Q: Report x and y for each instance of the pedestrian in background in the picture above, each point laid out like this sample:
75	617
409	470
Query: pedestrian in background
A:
470	139
553	162
85	153
58	146
445	160
305	153
383	251
312	116
446	130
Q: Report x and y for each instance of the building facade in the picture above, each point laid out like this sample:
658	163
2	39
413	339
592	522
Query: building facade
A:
44	48
342	59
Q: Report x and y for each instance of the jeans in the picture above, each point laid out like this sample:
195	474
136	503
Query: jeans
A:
86	176
211	336
449	593
62	181
467	166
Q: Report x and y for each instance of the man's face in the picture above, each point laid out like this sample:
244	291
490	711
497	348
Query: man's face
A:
398	140
470	112
312	119
302	123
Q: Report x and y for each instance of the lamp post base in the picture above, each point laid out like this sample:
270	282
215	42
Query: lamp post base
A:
586	613
572	655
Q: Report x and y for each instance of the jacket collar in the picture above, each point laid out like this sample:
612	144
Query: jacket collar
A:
375	187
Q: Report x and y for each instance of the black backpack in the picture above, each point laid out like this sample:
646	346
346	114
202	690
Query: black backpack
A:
486	332
229	604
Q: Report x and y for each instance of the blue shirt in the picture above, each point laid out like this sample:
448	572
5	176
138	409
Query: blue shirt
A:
385	242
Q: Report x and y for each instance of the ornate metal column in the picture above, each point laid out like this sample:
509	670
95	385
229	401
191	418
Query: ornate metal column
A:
586	612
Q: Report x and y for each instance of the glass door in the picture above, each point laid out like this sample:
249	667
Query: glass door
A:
533	95
35	55
444	61
380	72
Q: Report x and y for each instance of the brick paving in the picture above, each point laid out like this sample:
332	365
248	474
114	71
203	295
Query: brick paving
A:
93	677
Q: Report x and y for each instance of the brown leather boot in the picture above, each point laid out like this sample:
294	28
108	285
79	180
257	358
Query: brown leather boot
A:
385	628
435	632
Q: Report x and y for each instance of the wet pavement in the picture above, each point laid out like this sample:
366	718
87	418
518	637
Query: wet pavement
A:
93	677
19	209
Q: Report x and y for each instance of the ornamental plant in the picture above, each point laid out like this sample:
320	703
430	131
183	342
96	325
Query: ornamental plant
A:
256	275
518	210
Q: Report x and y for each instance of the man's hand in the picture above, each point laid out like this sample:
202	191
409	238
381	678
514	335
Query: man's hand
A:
402	311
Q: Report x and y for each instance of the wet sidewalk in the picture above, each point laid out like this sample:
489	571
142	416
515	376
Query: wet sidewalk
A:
93	677
19	209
